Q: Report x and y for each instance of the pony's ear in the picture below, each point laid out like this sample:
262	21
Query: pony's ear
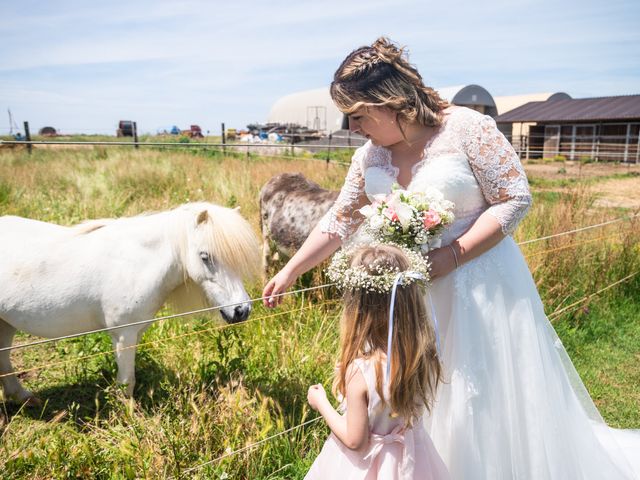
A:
203	216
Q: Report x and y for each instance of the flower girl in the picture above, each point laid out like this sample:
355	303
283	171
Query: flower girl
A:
388	372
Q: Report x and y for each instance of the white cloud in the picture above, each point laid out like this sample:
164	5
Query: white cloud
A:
163	62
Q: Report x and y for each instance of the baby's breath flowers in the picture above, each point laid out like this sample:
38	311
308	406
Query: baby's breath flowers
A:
349	277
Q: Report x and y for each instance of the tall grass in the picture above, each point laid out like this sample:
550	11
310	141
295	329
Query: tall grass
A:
204	390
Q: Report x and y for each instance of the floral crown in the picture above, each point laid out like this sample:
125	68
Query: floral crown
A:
350	277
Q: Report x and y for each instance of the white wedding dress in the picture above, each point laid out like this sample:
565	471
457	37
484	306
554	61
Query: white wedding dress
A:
512	405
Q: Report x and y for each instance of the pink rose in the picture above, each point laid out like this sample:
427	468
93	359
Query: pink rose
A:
431	219
390	213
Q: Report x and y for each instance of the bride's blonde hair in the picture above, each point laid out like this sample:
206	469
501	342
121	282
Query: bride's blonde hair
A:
380	75
415	367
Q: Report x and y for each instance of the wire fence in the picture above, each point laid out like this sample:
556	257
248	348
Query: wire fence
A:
551	317
293	292
155	342
158	319
581	229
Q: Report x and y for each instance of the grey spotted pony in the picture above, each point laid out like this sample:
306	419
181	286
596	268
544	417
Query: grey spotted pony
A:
290	207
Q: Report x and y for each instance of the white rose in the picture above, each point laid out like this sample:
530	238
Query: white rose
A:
376	221
367	211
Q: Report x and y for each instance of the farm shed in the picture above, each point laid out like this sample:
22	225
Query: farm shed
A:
600	128
472	96
507	103
47	131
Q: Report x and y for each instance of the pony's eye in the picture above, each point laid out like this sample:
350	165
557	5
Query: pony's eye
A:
204	256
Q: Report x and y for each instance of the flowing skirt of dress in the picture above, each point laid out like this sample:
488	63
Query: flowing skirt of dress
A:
512	405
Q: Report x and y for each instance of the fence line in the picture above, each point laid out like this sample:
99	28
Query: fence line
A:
574	244
152	320
222	327
552	316
255	444
250	446
176	144
208	309
526	242
555	314
215	328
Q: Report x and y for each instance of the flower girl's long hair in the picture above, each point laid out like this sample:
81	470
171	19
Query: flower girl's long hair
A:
415	367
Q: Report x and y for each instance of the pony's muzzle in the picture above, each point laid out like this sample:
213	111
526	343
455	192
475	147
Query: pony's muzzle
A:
239	313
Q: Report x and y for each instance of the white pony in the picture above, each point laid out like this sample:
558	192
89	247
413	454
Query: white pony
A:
57	280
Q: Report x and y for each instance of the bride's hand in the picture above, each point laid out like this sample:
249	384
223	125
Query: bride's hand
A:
278	285
442	262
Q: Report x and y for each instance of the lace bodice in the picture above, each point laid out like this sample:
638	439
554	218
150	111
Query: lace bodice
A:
468	160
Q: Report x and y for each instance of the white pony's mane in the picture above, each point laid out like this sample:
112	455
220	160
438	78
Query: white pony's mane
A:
230	240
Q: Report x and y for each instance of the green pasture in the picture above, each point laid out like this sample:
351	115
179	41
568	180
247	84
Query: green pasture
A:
205	389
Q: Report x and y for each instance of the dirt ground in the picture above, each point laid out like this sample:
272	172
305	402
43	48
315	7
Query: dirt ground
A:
613	192
576	169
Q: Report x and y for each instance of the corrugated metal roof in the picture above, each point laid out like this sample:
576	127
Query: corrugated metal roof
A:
506	103
625	107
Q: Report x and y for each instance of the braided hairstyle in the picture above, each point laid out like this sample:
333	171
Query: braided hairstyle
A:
380	75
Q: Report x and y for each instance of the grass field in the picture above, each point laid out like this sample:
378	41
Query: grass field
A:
204	389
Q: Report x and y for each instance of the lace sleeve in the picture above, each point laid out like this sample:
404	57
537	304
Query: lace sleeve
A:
343	217
499	172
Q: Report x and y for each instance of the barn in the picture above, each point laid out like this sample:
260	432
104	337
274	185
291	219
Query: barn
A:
600	128
516	132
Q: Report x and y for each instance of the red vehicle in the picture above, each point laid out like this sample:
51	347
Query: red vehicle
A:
194	132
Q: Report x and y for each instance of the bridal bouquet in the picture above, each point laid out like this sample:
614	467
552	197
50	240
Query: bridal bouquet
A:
413	219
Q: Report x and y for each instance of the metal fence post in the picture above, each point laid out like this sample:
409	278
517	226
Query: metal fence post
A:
27	135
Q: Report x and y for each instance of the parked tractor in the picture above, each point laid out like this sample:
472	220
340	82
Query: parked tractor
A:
125	128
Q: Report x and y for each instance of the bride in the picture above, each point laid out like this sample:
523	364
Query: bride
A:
513	406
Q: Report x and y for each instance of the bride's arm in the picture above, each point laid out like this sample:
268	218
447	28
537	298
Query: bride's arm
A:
504	185
485	233
317	247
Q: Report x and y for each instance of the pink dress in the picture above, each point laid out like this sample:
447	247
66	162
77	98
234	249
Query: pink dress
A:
393	453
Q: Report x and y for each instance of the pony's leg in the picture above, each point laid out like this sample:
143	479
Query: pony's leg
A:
124	343
266	249
11	385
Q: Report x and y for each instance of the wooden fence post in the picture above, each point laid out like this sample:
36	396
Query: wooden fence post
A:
224	139
135	134
293	153
329	149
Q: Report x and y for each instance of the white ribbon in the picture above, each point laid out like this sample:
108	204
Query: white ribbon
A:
396	281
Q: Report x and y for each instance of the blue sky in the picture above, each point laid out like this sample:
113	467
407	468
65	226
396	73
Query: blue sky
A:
80	66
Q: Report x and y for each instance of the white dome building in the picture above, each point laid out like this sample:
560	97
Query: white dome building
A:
313	109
